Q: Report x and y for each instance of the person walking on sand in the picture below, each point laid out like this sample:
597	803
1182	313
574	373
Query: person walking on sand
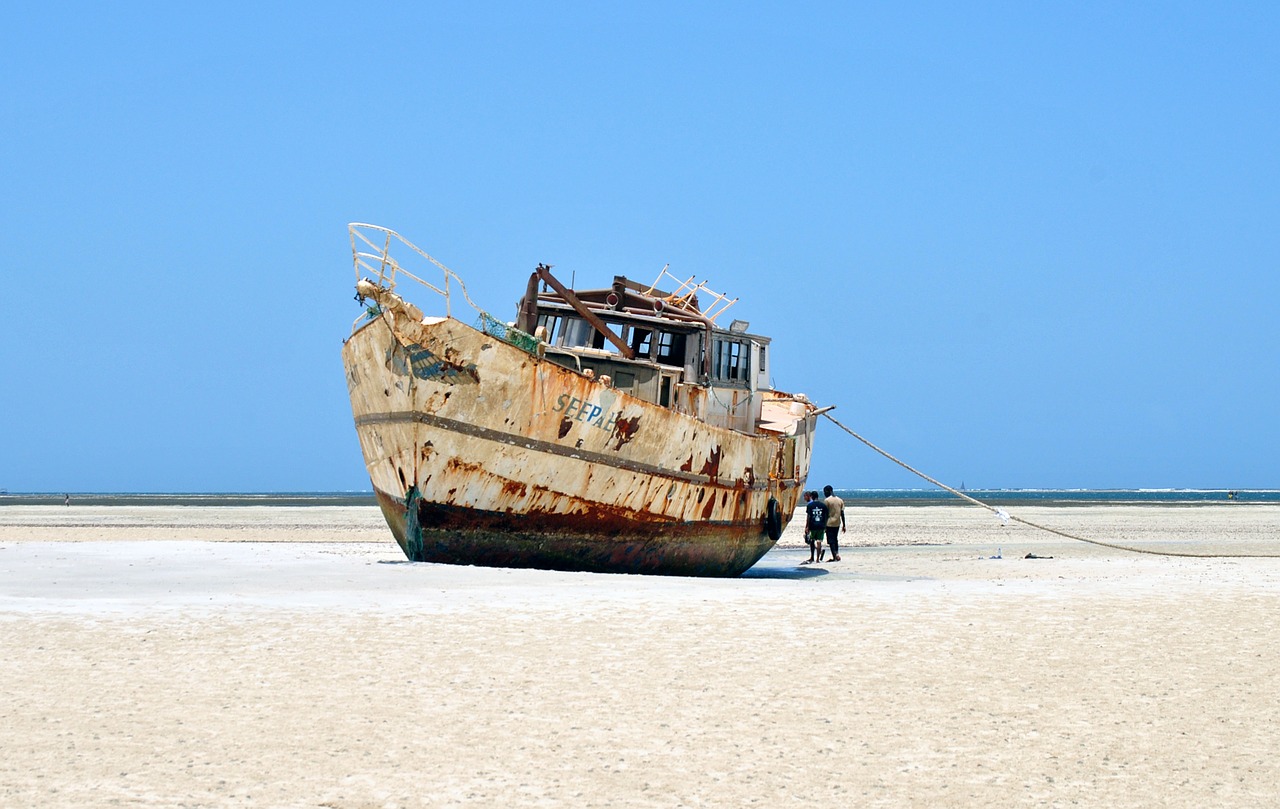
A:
814	526
808	538
835	521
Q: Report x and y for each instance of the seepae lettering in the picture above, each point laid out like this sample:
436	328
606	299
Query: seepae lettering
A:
595	414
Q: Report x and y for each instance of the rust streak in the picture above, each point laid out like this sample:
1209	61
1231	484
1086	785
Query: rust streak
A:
514	488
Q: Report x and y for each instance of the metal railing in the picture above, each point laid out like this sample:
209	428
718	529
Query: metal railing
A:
385	268
686	293
380	265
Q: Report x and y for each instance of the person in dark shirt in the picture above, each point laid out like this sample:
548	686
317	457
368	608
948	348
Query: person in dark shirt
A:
815	526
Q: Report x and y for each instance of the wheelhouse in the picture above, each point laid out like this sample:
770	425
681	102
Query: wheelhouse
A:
662	347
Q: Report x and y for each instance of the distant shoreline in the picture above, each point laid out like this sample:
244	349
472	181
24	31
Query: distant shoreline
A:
852	497
1060	497
193	499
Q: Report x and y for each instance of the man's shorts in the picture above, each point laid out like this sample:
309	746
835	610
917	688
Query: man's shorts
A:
815	536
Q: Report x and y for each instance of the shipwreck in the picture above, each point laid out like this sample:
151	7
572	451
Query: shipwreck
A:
620	429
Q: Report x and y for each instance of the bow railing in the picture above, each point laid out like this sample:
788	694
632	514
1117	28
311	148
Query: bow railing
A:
380	254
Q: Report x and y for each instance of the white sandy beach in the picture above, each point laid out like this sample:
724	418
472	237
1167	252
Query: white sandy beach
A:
273	656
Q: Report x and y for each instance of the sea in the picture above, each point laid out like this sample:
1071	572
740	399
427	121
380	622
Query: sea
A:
852	497
1057	497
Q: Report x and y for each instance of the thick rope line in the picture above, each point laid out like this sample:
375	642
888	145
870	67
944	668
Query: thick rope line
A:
1004	515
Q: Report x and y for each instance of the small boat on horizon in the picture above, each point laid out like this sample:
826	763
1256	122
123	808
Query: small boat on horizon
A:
617	429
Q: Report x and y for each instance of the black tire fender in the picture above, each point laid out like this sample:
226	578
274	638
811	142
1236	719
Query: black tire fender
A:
773	519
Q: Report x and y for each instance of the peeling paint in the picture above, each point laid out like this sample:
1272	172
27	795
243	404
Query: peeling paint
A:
397	360
428	366
709	508
624	430
711	467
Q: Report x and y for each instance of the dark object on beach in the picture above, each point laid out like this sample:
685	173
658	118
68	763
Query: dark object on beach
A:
1033	556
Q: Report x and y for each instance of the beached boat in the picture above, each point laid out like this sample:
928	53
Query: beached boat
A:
616	429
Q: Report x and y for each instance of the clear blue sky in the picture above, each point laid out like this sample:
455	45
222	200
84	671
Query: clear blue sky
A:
1019	244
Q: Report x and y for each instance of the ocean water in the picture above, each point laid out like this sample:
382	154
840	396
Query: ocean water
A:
191	499
1062	497
852	497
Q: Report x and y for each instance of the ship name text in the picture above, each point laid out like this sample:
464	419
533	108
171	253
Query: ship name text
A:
590	412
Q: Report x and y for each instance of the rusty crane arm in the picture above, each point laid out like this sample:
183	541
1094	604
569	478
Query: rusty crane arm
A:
544	273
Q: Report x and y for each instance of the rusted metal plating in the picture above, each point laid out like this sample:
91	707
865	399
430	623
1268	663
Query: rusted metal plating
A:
482	453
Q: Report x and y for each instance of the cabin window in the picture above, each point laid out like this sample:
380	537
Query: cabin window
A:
670	348
641	342
729	360
554	324
598	340
576	332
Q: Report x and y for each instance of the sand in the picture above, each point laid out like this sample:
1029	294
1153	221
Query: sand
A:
197	656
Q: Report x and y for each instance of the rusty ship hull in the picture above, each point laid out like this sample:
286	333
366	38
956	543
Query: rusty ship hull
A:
487	453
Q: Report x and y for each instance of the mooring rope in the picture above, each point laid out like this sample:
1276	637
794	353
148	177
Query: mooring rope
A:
1004	515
